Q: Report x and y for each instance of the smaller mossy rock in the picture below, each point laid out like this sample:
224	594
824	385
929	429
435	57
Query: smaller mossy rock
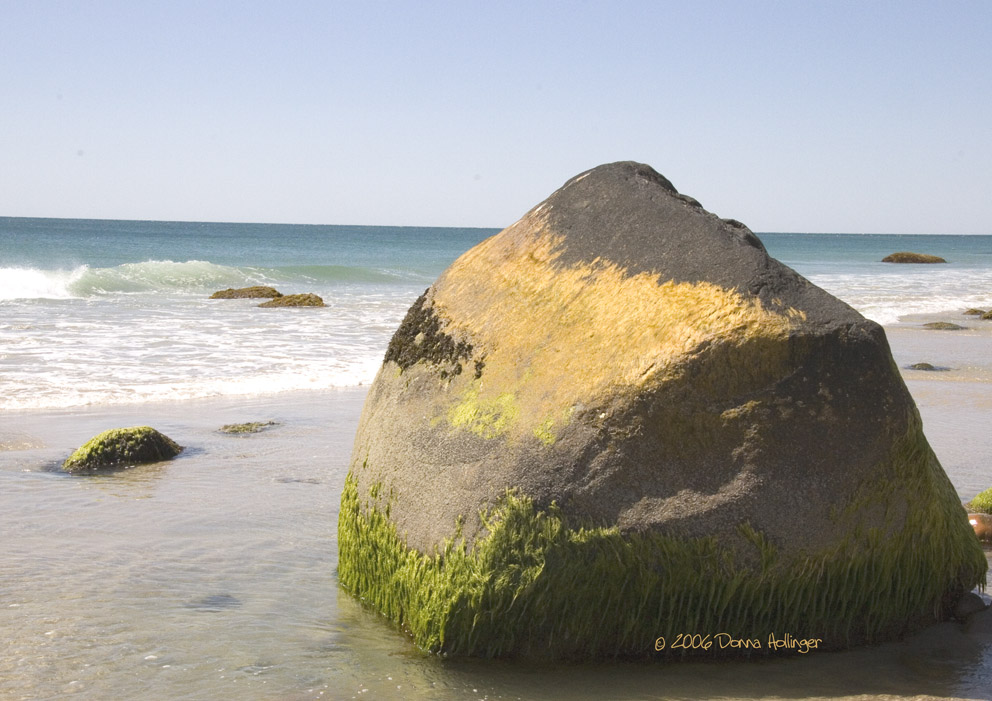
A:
250	427
257	292
304	300
907	257
982	502
120	448
987	315
927	367
942	326
974	312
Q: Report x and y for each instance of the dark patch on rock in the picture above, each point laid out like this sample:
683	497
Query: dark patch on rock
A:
256	292
420	337
301	300
926	367
942	326
908	257
121	448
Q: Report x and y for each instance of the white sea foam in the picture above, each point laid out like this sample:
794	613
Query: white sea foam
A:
124	348
30	283
887	297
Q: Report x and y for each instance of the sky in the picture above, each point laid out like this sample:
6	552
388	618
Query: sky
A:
806	116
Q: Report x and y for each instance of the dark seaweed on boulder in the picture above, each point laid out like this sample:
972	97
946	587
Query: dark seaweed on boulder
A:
419	337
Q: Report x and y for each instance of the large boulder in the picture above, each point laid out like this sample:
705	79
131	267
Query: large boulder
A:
620	420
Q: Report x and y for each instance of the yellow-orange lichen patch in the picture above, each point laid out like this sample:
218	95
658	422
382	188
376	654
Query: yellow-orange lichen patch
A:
555	337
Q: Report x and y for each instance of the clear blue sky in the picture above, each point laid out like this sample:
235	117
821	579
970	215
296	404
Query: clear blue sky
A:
790	116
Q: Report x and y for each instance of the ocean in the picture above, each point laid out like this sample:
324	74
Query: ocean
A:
112	312
213	576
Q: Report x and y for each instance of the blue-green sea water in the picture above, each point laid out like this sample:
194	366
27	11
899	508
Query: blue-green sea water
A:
111	312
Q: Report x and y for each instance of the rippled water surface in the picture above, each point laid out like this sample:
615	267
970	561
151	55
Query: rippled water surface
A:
213	576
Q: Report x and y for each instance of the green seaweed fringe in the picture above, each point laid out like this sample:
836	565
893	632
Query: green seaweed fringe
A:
535	587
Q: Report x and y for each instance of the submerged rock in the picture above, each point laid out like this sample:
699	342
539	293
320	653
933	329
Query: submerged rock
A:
256	292
927	367
120	448
907	257
214	603
619	419
974	312
250	427
942	326
304	300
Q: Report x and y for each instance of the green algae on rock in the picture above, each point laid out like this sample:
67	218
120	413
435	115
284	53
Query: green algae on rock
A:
942	326
666	430
121	448
256	292
908	257
301	300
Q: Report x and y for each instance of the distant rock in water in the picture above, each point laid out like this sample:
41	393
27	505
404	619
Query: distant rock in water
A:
974	312
942	326
907	257
304	300
120	448
246	293
619	420
987	315
927	367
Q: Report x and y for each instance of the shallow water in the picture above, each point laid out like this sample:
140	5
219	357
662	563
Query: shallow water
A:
213	576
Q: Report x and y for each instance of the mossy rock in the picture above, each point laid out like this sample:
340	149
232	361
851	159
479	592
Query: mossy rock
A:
250	427
257	292
942	326
974	312
121	448
907	257
982	502
620	419
302	300
987	315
